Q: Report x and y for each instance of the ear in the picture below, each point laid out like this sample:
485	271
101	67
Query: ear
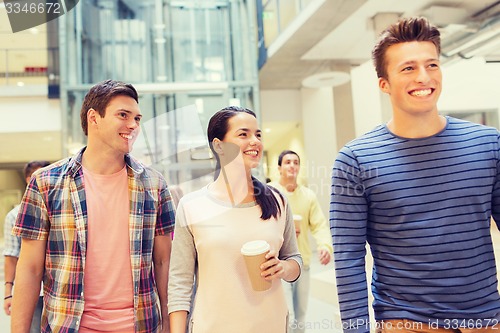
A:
217	145
92	116
384	85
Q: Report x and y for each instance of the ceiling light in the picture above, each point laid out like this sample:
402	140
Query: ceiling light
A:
326	79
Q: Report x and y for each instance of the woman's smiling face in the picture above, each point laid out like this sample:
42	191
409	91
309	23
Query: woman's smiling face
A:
244	132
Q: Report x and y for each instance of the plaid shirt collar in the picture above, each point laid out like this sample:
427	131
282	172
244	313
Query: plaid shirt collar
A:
75	164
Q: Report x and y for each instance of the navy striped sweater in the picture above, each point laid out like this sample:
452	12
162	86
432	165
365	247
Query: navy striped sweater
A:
424	207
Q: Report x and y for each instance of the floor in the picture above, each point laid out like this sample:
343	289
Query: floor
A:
323	315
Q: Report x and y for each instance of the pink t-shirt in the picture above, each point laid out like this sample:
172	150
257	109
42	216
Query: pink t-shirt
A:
108	286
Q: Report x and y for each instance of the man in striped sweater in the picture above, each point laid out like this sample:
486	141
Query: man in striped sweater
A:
421	191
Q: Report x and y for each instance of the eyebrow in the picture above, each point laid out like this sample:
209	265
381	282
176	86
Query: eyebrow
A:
248	130
412	62
129	112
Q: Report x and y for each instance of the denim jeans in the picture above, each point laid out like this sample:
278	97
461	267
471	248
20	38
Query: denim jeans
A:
36	322
297	297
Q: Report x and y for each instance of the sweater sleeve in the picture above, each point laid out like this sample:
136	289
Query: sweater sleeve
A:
495	201
12	244
348	221
289	249
318	226
182	265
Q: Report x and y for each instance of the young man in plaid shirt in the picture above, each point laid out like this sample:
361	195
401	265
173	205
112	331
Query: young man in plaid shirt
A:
96	227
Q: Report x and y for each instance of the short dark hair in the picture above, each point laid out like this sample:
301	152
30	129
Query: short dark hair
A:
414	29
99	96
32	166
286	152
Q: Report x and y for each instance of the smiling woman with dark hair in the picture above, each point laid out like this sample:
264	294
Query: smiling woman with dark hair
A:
213	223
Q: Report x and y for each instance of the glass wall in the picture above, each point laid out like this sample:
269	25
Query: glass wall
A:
181	55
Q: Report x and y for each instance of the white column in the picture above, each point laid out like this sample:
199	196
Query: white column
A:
320	141
371	108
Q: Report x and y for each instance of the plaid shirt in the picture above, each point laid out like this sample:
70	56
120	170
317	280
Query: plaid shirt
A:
54	209
12	244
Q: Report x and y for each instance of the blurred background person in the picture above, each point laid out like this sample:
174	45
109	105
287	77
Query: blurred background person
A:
12	247
310	220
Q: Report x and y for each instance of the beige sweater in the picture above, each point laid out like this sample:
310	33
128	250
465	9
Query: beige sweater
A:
208	238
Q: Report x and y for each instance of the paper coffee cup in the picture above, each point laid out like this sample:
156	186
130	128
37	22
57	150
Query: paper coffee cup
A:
297	220
254	253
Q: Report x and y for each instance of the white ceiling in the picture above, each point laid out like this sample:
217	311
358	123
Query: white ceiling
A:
343	32
353	38
339	34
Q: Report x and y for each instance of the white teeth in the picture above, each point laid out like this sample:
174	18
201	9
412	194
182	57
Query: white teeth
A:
251	152
423	92
128	137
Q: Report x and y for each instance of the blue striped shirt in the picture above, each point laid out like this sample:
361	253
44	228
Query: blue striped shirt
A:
424	207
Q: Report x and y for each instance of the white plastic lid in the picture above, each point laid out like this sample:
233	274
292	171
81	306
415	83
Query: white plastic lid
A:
255	247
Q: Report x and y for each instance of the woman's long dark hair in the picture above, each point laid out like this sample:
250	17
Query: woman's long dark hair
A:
264	196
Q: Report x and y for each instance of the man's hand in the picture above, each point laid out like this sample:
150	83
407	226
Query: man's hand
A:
324	256
6	306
